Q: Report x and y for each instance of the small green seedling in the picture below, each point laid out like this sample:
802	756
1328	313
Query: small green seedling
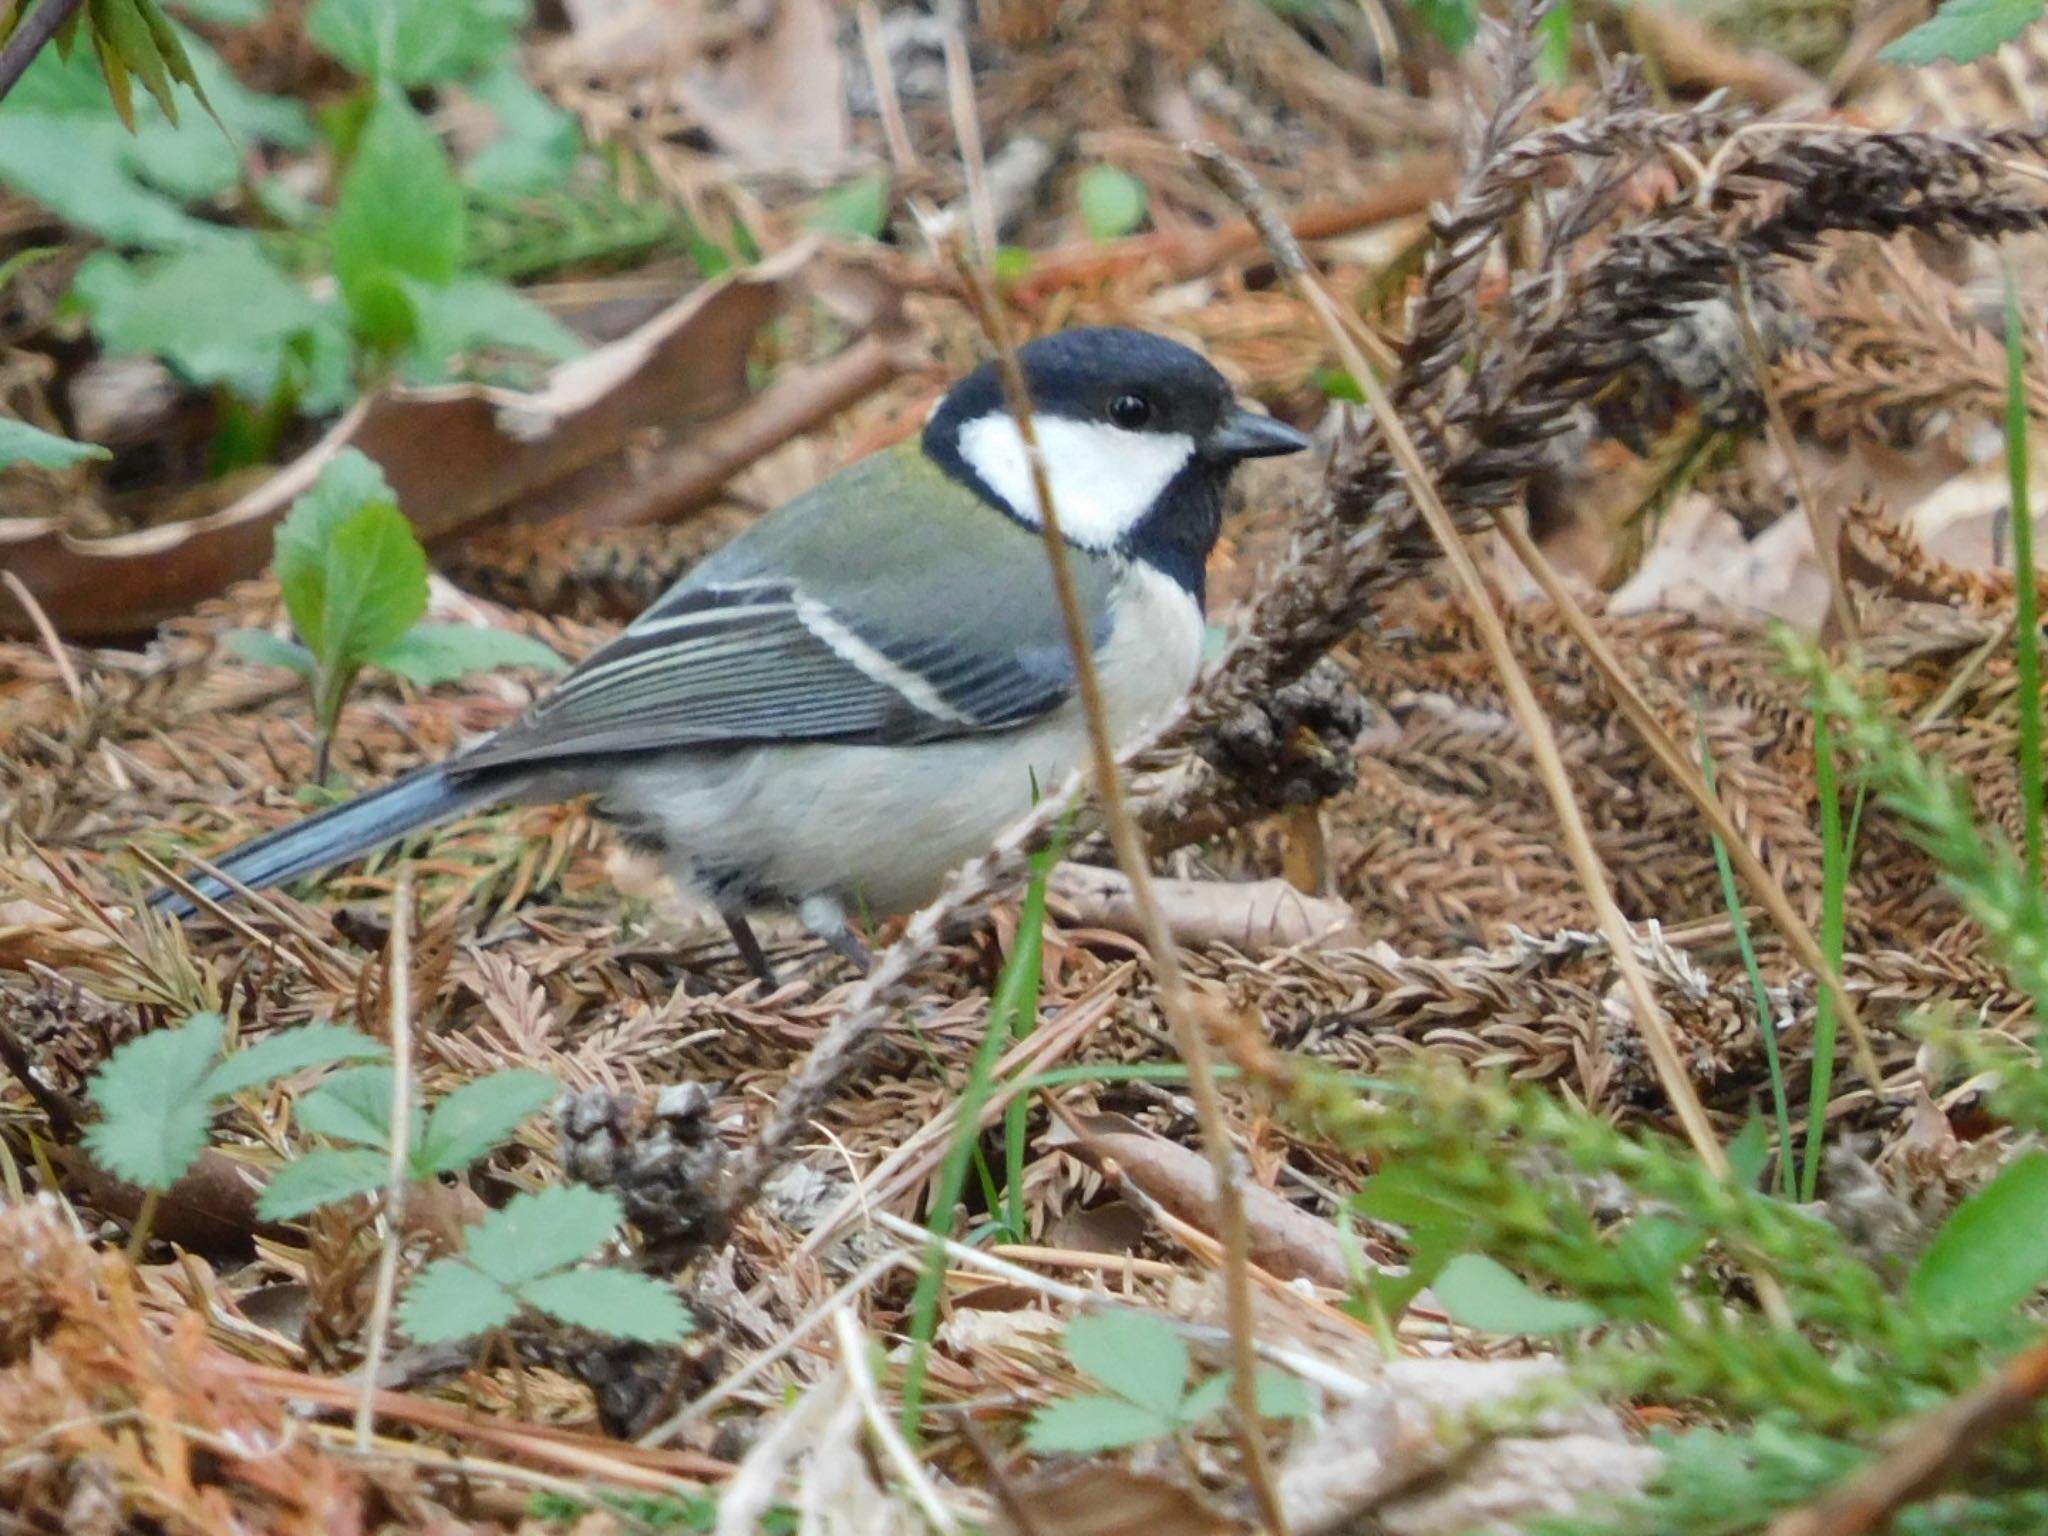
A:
527	1256
355	583
1113	202
355	1108
1145	1366
157	1094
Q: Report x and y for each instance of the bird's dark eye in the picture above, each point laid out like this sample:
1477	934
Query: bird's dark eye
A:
1130	411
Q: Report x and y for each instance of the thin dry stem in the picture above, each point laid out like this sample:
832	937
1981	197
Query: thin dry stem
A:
48	632
1176	998
853	1359
399	983
1522	700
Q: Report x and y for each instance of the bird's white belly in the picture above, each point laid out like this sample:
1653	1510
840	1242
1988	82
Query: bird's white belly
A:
880	827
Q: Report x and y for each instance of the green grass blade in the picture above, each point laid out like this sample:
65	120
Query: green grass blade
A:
2027	629
1781	1110
1834	869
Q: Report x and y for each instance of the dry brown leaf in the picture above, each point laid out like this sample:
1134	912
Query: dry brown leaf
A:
1251	917
1286	1241
454	456
1105	1499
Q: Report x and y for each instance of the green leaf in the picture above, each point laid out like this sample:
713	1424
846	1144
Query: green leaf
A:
438	653
612	1301
322	1176
399	215
416	42
537	1233
21	443
1085	1424
1992	1252
121	27
154	1118
1282	1396
537	142
449	1300
1134	1354
478	1116
1750	1151
268	650
860	207
1454	23
1963	30
287	1051
349	482
474	314
1112	202
1207	1399
1409	1197
350	1106
1480	1293
376	586
225	315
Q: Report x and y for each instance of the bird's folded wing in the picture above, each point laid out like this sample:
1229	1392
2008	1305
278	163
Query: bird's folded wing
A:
758	661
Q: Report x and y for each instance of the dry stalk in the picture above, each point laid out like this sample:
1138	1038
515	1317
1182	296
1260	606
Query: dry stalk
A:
1176	997
853	1359
1527	709
399	964
48	633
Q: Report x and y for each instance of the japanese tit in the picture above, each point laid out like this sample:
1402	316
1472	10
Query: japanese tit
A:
863	689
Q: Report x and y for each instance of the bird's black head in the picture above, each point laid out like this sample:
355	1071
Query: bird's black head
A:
1140	435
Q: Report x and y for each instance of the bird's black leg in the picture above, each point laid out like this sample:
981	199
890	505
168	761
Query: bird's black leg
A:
750	948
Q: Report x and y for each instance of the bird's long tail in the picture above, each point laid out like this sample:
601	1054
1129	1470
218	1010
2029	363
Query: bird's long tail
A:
340	833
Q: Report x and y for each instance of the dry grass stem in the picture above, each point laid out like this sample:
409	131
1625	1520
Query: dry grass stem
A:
398	978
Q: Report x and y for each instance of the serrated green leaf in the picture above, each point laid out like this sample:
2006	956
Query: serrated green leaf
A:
538	1233
1134	1354
477	314
350	1106
1112	201
1963	30
121	26
114	70
478	1116
399	215
268	650
428	654
1409	1197
1207	1398
320	1177
287	1051
860	207
349	482
1992	1252
1084	1424
1480	1293
154	1119
226	315
376	585
537	142
1282	1396
448	1300
612	1301
416	42
21	443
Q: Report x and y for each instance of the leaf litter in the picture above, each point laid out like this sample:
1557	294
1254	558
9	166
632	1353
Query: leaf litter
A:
1444	922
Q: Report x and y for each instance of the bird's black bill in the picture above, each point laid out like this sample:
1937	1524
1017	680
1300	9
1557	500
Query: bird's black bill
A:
1248	435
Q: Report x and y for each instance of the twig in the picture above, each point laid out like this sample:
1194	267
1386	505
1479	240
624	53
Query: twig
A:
41	24
967	125
1176	998
1522	700
882	75
853	1359
48	631
1933	1447
399	981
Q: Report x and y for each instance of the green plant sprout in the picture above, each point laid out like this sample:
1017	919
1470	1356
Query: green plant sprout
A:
526	1255
157	1093
354	579
354	1108
1144	1365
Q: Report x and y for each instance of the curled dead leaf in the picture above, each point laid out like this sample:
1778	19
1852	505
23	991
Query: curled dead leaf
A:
1252	917
453	455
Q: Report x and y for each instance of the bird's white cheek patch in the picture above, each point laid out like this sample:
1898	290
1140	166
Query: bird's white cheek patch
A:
1103	479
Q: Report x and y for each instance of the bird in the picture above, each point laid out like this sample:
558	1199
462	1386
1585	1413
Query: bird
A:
861	690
